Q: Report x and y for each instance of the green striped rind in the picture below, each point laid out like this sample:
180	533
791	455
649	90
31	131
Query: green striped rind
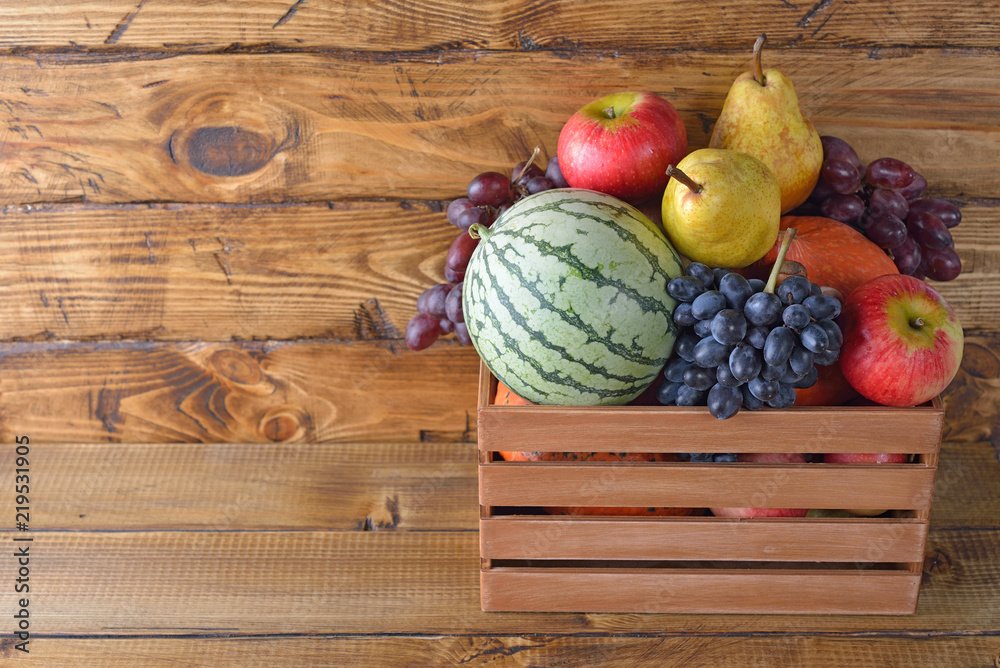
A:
565	299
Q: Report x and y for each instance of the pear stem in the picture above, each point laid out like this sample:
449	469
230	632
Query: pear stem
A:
786	242
758	71
691	184
531	160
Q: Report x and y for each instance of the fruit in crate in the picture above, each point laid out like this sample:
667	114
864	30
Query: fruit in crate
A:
865	458
746	343
761	116
882	201
621	145
721	208
565	299
833	254
765	458
902	341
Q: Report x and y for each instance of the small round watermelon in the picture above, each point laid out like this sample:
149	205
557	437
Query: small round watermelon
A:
566	302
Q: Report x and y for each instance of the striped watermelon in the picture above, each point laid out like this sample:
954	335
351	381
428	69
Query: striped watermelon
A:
565	298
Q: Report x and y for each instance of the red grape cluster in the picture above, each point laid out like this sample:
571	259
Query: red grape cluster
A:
439	308
882	202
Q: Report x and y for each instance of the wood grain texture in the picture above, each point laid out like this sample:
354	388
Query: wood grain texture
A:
245	486
972	401
892	486
526	25
322	486
307	127
667	650
210	583
346	270
243	392
703	539
350	270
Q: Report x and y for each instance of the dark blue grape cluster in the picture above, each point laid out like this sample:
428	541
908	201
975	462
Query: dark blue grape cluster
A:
742	347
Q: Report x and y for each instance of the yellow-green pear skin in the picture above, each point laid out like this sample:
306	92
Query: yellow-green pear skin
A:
766	121
733	220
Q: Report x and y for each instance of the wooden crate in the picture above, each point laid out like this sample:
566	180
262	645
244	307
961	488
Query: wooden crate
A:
703	564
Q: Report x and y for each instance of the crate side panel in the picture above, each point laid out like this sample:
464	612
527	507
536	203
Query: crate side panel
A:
719	591
681	429
763	539
890	486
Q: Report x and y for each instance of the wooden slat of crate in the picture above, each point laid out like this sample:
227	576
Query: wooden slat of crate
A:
693	539
692	429
818	429
891	592
892	486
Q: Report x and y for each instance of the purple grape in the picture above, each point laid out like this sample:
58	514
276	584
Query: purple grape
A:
821	191
842	176
460	253
949	214
941	264
422	331
489	189
886	230
531	172
915	189
907	256
472	216
835	148
453	304
462	334
554	173
888	201
454	275
845	208
456	207
432	301
928	230
447	326
889	173
539	184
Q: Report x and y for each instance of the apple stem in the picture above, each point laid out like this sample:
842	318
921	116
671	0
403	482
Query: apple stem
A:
691	184
610	112
758	71
531	160
786	242
917	323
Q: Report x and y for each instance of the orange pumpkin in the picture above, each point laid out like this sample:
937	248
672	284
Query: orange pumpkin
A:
505	397
834	254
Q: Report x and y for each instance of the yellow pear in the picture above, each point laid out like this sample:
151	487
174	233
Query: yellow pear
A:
761	116
722	207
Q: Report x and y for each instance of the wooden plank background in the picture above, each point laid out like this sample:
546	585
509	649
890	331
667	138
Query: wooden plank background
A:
215	219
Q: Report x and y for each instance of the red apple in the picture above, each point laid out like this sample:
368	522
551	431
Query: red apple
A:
902	341
765	458
865	458
621	145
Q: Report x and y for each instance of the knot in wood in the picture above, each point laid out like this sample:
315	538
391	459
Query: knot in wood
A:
229	151
237	366
284	423
937	562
